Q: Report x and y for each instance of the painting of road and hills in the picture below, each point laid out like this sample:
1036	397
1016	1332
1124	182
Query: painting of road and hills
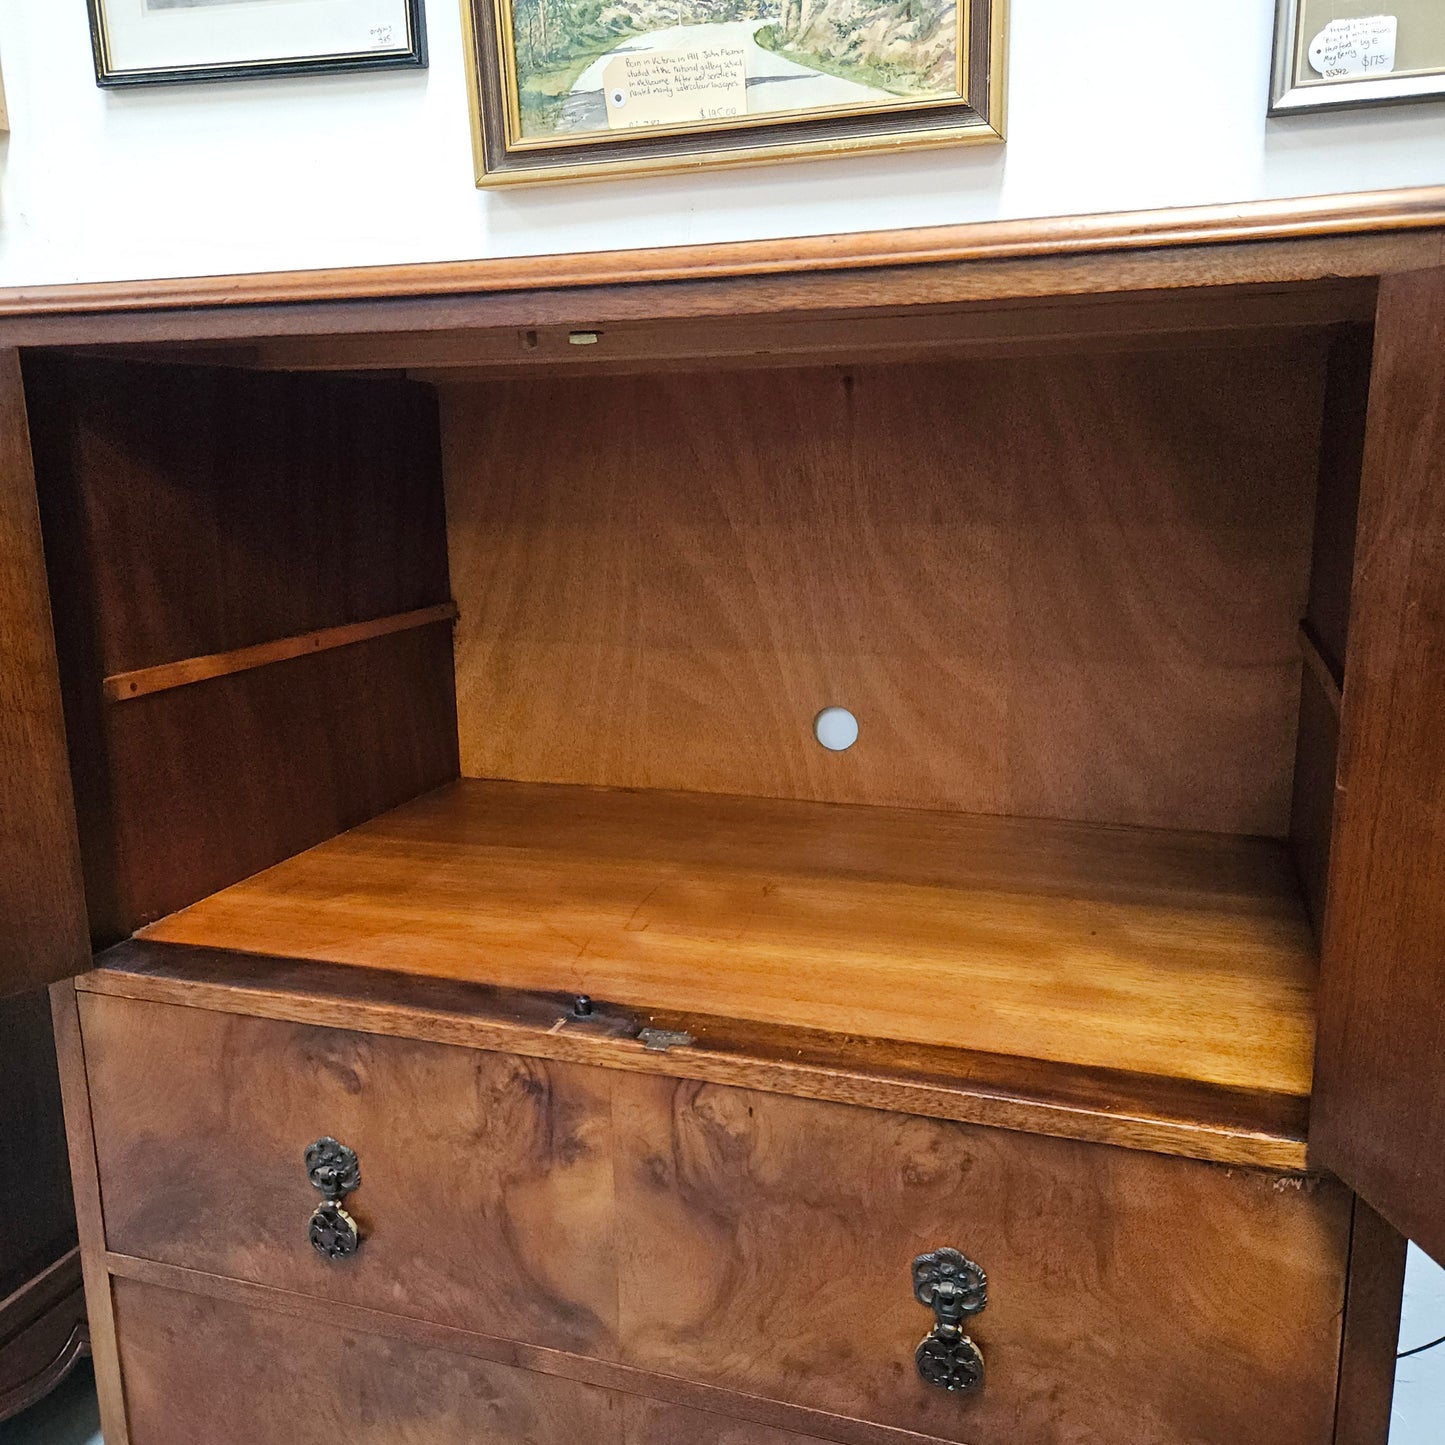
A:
787	55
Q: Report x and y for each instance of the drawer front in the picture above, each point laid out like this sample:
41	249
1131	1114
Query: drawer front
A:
271	1379
753	1242
486	1198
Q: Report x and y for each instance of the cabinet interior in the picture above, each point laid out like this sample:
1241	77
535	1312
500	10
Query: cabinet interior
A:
1081	571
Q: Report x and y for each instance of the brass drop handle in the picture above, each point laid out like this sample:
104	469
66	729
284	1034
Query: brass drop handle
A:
953	1287
334	1170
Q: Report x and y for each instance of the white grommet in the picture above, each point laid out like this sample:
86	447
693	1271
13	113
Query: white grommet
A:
836	728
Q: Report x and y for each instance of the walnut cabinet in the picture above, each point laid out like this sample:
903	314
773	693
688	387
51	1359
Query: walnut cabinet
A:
486	1012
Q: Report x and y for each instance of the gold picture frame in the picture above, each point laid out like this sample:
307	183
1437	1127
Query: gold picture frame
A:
1336	54
563	90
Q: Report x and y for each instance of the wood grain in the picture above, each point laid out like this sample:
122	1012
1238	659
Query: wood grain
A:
1170	1116
750	1243
651	1422
1360	214
1130	1297
721	1409
272	1380
90	1221
1379	1113
1342	442
1065	588
192	512
1313	813
42	908
1372	1330
212	783
1324	631
1239	316
146	680
490	1211
207	510
1181	955
1270	243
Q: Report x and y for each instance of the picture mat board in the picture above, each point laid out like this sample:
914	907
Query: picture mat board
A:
143	37
1419	49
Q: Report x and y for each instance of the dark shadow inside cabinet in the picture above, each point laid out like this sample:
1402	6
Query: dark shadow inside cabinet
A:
42	1313
1087	603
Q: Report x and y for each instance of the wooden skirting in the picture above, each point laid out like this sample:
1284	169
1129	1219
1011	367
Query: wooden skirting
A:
146	680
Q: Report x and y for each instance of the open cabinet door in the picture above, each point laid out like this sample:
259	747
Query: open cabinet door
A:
1379	1100
43	931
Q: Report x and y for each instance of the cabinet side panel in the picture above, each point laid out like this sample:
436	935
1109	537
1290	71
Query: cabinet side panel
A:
1379	1104
1327	614
1372	1330
42	910
192	511
80	1135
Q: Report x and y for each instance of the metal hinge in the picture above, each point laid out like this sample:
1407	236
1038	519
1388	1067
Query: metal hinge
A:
659	1041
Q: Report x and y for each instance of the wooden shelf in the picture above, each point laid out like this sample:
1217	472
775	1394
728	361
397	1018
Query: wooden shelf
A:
1180	956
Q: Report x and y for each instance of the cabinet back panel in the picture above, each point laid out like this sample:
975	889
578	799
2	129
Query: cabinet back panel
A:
1051	587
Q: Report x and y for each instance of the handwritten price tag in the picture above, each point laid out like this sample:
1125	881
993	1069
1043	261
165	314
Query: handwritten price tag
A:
668	87
1365	46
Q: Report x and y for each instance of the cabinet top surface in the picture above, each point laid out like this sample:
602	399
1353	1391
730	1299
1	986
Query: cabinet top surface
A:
1175	955
1272	243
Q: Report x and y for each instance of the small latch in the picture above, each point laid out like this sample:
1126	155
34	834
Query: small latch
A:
659	1041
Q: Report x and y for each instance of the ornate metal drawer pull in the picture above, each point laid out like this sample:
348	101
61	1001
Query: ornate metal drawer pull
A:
953	1287
333	1169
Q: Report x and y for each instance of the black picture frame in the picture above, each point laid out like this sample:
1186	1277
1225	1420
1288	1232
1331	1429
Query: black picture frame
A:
108	78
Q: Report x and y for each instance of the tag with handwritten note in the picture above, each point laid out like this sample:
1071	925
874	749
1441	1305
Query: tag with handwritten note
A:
1363	46
672	87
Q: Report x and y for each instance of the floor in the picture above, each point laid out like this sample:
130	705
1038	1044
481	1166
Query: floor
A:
69	1416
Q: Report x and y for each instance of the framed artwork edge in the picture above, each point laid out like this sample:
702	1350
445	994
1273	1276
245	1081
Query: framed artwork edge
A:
414	58
1287	98
979	128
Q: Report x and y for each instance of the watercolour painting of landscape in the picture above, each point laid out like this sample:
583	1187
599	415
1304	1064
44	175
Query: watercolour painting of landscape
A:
606	65
571	89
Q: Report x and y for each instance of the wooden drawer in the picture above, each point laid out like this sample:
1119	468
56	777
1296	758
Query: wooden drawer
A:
272	1379
754	1243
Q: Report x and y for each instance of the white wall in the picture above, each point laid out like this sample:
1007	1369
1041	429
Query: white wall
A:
1115	104
1419	1414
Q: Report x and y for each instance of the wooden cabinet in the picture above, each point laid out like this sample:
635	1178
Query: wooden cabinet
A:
42	937
443	774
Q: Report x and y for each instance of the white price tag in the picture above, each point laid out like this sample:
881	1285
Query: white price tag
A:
1364	46
667	87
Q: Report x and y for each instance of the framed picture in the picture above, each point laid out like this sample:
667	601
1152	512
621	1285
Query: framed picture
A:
567	89
1330	53
147	42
